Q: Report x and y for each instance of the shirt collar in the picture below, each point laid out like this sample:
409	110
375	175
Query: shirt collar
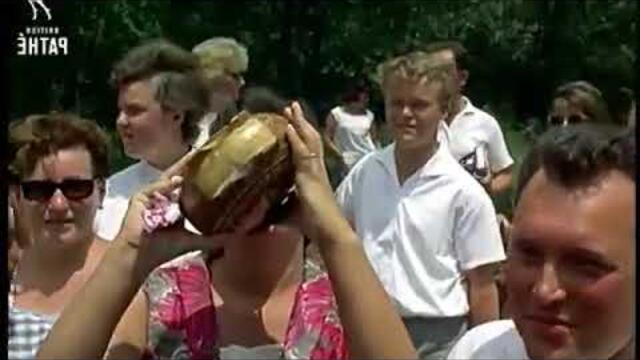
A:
467	109
436	166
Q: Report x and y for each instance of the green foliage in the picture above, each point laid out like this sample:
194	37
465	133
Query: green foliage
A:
521	48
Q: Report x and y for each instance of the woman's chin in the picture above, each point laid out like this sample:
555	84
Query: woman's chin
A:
66	238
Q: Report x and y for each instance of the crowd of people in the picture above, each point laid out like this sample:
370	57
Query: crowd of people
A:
407	258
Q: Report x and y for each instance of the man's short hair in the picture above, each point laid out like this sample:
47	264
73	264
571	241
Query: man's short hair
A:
37	136
221	55
459	51
175	76
576	156
419	65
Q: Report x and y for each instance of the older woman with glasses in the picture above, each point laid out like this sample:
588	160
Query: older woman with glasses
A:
59	162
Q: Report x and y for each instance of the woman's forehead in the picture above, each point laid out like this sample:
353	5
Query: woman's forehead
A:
71	161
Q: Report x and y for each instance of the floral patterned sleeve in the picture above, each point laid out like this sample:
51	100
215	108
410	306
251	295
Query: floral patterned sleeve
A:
182	318
182	322
315	331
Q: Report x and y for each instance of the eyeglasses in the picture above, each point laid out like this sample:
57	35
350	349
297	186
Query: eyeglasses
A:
566	120
43	190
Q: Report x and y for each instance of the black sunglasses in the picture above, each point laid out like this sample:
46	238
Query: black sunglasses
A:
561	120
43	190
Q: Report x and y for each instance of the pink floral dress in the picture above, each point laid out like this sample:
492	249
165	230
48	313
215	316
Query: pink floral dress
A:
182	322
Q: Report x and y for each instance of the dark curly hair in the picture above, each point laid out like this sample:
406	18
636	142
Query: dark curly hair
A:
36	136
578	155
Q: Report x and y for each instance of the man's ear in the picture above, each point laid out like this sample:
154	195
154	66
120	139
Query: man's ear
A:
175	117
463	77
178	116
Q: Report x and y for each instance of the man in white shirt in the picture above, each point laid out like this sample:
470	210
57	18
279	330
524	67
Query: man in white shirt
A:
223	61
160	99
428	228
571	267
474	137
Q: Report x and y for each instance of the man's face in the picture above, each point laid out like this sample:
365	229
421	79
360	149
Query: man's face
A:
145	128
570	271
413	111
58	219
447	57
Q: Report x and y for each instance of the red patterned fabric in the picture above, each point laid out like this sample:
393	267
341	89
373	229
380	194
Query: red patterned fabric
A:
182	320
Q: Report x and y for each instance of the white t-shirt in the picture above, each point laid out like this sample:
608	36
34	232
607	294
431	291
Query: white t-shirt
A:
493	340
204	126
471	128
352	136
420	236
120	187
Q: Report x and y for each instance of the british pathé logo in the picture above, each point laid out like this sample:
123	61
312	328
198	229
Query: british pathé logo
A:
41	40
34	9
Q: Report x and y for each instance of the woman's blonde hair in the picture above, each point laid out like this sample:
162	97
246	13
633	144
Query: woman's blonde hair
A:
220	55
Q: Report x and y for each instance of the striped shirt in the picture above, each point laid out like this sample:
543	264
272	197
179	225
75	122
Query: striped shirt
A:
27	330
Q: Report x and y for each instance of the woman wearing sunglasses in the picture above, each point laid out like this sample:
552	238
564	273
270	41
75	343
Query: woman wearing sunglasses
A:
59	162
107	296
577	102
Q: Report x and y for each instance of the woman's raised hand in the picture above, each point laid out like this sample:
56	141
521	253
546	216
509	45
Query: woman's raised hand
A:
319	207
166	243
307	149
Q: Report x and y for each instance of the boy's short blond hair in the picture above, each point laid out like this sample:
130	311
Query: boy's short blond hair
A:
221	55
420	66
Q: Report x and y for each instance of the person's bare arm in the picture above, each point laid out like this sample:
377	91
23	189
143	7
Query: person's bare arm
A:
501	181
483	294
86	324
329	132
130	336
372	326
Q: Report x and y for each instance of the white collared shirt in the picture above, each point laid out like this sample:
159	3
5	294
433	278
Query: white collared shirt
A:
492	340
120	187
204	128
471	128
420	236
